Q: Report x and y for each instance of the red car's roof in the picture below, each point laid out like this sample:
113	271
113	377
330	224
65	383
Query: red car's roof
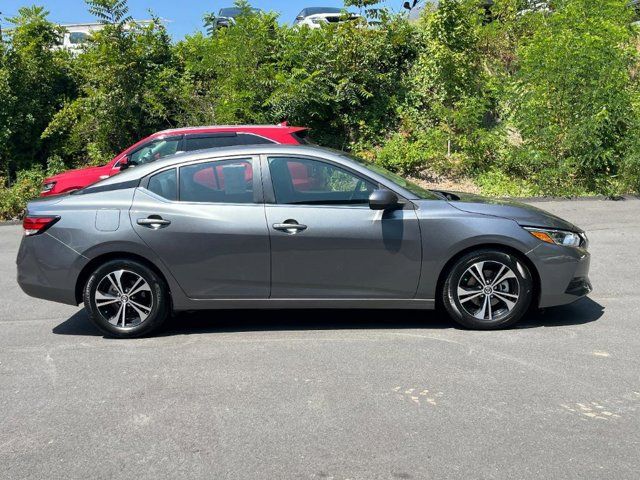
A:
213	128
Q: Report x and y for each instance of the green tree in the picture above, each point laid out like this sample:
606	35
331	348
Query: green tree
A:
448	109
34	81
573	95
228	75
344	81
129	87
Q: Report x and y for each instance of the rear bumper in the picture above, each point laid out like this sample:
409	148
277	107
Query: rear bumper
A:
47	269
564	274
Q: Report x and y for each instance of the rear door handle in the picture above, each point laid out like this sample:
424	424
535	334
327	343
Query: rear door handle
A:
289	226
154	221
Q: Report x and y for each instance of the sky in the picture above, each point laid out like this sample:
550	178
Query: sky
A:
184	16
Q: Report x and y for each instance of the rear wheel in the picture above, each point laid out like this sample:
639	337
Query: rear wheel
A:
487	289
125	298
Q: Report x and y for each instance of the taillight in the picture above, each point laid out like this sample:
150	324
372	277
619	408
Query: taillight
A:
36	225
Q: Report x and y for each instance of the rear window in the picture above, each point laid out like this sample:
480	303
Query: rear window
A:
302	137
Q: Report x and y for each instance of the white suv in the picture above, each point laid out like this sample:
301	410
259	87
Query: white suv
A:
315	17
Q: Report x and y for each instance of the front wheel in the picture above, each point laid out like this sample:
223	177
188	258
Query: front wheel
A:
487	289
125	299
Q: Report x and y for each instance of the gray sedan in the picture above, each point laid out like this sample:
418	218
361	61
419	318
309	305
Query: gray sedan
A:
292	226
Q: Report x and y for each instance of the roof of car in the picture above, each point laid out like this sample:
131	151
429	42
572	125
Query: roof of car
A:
132	175
230	127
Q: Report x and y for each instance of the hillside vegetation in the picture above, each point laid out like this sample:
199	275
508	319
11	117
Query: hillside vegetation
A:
520	103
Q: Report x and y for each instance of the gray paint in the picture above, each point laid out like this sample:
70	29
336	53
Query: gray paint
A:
228	255
107	220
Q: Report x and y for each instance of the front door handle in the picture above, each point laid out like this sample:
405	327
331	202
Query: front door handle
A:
154	221
289	226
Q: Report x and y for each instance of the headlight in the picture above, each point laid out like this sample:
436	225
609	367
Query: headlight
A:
559	237
47	187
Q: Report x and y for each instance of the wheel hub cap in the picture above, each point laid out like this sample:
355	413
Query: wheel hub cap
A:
488	290
124	299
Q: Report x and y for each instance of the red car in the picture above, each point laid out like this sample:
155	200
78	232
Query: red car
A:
168	142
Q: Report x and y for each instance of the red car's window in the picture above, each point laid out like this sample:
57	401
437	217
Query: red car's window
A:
155	150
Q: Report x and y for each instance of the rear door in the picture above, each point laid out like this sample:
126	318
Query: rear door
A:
325	240
205	220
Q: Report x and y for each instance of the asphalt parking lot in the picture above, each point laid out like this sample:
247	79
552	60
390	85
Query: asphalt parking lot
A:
332	395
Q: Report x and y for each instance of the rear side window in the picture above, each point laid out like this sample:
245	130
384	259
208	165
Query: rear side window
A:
226	181
164	184
202	142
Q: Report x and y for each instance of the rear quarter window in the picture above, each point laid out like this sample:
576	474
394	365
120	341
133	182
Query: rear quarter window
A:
164	184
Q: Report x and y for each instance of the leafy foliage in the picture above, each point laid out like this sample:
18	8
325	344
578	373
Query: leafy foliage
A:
110	12
576	112
34	81
524	101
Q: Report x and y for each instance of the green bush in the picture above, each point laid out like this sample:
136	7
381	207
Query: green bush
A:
14	198
27	186
533	104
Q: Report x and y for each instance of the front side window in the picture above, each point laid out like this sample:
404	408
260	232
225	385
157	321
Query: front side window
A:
155	150
164	184
414	188
226	181
301	181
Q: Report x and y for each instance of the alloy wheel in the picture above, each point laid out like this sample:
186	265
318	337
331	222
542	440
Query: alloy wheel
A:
124	298
488	290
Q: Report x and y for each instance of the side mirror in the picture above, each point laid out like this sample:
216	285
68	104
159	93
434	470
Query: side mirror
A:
124	164
383	200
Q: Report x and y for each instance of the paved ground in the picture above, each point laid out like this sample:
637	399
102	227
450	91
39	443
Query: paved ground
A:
345	395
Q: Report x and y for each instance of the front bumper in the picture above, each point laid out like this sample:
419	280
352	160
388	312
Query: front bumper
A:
563	272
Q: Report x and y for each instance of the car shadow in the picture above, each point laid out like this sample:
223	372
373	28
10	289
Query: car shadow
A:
243	320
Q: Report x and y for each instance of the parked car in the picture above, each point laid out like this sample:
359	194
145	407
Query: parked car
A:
230	228
315	17
169	142
227	16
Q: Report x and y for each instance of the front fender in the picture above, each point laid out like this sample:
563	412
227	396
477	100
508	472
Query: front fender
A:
446	232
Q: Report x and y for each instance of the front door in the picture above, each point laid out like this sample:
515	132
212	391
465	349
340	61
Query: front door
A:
327	243
206	222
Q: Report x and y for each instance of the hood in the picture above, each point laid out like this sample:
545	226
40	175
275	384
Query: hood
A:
522	213
89	172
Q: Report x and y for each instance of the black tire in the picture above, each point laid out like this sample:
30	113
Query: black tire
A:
496	305
157	309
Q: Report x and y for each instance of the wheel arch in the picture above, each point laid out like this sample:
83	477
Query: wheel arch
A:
535	275
106	257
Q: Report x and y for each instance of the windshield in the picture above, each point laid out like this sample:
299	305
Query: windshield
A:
235	11
414	188
318	10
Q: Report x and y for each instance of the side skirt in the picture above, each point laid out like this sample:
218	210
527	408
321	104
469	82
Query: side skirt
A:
284	303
